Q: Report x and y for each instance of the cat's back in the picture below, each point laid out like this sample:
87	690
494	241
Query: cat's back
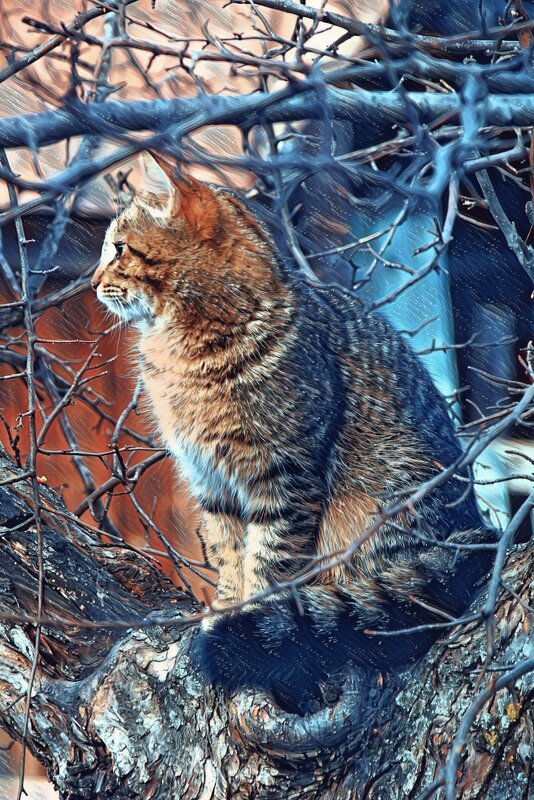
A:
397	430
378	359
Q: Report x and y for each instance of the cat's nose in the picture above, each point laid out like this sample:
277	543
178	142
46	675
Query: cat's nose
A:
95	283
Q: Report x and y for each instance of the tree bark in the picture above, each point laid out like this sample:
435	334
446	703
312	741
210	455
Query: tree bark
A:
120	712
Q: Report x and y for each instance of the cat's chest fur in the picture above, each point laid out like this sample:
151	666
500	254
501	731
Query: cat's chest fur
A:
190	417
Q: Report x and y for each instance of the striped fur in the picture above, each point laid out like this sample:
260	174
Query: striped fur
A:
291	416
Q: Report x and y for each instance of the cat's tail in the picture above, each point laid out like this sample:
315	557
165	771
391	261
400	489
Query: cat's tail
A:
294	646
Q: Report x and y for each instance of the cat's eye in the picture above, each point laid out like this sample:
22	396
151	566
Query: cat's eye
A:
119	249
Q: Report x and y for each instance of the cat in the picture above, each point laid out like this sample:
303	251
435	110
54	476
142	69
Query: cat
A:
292	417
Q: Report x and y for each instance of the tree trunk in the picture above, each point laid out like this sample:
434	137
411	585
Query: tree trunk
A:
120	712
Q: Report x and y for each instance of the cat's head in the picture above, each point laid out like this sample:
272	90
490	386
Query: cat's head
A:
182	247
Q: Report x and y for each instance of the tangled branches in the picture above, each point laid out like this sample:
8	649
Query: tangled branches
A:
390	160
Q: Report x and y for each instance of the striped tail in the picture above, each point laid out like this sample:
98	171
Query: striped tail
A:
297	649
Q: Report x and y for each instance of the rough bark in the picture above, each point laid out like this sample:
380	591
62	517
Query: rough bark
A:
119	712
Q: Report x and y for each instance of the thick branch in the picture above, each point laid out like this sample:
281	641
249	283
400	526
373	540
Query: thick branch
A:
124	715
113	119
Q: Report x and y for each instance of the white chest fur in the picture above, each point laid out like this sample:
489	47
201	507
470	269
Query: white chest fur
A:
177	411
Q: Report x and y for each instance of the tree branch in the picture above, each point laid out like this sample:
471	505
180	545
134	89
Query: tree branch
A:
113	119
123	708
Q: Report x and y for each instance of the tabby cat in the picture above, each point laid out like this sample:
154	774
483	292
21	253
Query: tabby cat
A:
292	417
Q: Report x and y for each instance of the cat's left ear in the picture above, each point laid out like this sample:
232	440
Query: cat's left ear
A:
168	195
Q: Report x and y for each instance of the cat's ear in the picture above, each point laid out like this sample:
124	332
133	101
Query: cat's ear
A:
167	195
157	174
157	194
